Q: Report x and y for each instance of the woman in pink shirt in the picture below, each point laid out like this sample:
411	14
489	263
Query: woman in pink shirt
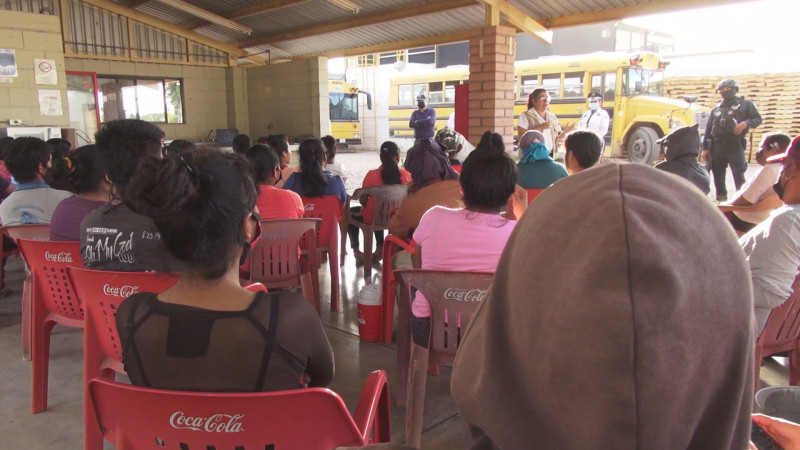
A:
467	239
388	173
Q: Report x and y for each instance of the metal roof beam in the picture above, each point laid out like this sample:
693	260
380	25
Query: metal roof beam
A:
418	10
241	13
519	19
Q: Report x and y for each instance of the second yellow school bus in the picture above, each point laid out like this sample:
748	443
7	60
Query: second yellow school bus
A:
631	84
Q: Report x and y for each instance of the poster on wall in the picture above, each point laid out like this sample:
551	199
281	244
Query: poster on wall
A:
8	65
45	71
50	102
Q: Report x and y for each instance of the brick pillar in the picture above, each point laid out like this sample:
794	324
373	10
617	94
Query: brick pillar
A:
491	83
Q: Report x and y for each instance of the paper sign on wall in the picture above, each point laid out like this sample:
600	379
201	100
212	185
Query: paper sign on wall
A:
45	71
8	64
50	102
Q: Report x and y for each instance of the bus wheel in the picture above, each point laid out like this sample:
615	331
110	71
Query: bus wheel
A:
641	145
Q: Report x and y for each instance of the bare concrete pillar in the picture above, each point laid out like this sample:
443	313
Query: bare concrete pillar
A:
491	83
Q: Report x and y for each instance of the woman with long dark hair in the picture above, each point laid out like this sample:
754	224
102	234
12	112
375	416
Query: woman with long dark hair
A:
207	333
311	180
388	173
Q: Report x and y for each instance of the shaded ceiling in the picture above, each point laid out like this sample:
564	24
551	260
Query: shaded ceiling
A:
293	29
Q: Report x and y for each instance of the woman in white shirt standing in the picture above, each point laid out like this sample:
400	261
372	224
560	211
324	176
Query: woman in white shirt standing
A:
538	117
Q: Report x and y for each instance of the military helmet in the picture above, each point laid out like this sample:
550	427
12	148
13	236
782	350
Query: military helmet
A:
728	83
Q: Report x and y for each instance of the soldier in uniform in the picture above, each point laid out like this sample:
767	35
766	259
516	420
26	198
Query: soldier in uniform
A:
724	140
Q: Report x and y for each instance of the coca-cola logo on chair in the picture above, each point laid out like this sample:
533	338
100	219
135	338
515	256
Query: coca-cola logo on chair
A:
61	257
464	295
120	291
216	423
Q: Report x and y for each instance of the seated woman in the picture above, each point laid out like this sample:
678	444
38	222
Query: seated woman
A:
311	180
537	170
272	203
81	172
467	239
388	173
335	168
207	333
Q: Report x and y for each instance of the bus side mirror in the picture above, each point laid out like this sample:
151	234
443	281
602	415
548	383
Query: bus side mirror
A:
369	98
690	99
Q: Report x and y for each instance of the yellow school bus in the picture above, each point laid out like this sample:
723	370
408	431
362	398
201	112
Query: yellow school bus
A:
631	84
344	114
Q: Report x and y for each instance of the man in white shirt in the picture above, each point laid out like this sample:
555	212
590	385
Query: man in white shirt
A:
596	118
773	246
752	204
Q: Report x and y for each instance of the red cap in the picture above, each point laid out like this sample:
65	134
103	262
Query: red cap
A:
792	152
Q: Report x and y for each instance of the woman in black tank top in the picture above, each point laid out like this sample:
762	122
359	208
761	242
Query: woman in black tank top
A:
207	333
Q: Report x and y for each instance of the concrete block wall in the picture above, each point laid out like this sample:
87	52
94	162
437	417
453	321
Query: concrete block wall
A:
32	36
205	93
289	98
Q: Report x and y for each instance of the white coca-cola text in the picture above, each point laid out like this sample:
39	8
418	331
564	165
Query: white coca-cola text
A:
216	423
62	257
120	291
464	295
309	207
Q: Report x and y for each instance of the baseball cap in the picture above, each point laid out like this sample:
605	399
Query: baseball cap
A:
529	137
792	152
421	97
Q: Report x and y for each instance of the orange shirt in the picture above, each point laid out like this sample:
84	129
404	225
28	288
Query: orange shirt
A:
373	178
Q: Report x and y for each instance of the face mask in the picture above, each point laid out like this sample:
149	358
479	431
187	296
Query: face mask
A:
594	106
421	104
727	95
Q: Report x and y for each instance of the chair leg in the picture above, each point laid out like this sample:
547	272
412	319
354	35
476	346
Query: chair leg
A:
368	237
415	399
403	348
307	286
757	367
40	365
794	367
334	269
27	296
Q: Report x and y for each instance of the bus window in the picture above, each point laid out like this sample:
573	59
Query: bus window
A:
404	96
529	83
343	106
437	94
573	85
419	89
610	86
552	82
450	91
597	83
643	82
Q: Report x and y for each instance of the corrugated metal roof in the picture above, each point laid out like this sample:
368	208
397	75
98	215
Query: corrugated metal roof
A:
313	14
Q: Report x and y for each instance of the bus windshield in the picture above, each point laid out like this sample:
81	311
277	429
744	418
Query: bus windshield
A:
637	81
343	106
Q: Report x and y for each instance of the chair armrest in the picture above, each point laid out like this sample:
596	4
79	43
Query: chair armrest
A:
256	287
373	406
395	242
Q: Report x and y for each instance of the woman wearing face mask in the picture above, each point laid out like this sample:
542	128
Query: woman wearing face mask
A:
596	118
207	333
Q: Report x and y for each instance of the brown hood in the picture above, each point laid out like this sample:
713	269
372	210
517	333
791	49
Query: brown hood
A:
621	316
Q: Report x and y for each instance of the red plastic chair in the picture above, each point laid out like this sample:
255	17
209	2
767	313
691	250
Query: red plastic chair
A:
457	167
454	297
132	417
36	232
782	333
533	193
386	199
328	208
53	301
275	259
391	245
101	292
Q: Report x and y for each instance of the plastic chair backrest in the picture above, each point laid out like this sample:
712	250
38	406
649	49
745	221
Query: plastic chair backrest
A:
275	260
327	208
34	232
101	292
387	200
533	193
454	297
48	261
132	417
782	333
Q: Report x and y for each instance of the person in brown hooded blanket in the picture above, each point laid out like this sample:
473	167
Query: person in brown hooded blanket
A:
681	149
611	334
